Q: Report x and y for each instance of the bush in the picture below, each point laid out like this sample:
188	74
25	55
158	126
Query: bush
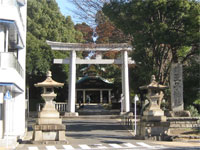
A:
197	104
193	111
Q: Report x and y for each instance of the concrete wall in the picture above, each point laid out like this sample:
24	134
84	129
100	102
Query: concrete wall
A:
12	125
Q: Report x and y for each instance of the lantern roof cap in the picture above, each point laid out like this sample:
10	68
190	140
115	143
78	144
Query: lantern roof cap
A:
153	85
49	82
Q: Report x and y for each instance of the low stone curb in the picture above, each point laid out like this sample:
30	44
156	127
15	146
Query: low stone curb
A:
185	138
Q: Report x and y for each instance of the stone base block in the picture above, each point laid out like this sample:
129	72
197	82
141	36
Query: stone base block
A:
155	112
61	136
153	131
48	114
52	127
49	136
154	118
49	133
70	114
49	121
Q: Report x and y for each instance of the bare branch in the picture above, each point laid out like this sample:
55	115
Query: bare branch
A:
87	9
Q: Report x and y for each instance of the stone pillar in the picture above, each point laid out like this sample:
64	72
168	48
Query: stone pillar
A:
2	38
8	114
122	95
76	96
83	96
109	96
101	96
72	82
176	84
1	115
125	81
6	43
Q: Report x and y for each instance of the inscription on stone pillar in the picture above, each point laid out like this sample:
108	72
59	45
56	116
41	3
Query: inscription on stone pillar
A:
176	84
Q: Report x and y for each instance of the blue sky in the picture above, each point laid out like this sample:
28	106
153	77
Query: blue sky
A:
66	8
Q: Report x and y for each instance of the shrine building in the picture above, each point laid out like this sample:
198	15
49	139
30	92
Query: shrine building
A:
93	87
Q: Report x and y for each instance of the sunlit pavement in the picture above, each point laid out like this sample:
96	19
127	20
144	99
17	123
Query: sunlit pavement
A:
97	133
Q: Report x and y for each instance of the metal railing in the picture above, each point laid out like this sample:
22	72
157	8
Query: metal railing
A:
61	107
8	60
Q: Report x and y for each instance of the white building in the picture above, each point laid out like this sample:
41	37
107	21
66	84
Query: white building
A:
12	70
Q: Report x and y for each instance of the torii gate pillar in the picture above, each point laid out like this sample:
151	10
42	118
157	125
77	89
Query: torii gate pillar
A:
125	104
72	84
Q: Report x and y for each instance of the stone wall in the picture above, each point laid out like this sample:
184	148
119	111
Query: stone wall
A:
184	128
177	125
184	122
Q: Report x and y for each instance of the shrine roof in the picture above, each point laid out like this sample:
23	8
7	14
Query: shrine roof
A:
93	82
89	46
94	77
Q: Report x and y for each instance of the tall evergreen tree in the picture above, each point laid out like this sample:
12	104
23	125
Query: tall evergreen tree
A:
45	22
164	32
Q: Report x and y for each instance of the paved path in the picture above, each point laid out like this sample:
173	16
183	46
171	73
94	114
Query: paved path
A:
101	133
96	133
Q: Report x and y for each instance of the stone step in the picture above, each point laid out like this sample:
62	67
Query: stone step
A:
94	117
98	112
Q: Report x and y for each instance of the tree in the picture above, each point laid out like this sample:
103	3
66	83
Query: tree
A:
45	22
164	32
86	30
160	30
191	81
108	33
87	9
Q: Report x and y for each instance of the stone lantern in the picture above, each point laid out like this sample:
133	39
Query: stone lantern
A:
49	125
155	96
153	124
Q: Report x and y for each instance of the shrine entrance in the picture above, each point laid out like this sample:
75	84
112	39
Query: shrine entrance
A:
94	96
94	88
99	48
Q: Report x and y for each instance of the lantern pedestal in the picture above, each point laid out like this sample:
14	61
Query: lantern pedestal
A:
153	130
49	125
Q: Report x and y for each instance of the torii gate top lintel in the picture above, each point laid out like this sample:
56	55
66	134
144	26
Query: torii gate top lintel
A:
89	46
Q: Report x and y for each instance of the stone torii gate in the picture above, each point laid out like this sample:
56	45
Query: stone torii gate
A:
73	60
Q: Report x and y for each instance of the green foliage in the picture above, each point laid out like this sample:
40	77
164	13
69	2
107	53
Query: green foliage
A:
193	111
191	81
183	51
45	22
163	31
38	56
157	21
197	102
